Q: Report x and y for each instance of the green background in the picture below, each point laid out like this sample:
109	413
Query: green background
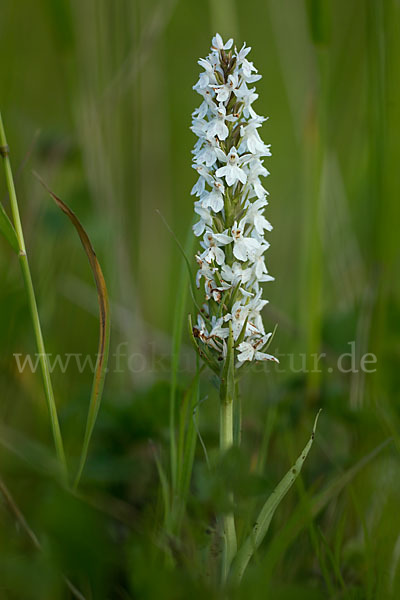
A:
97	97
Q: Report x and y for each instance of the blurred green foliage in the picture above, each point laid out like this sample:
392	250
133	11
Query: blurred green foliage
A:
96	96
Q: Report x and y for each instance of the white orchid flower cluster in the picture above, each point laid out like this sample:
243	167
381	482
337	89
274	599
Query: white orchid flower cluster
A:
229	159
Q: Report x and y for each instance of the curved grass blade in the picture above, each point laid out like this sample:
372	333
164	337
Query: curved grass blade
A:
309	508
8	230
104	337
263	521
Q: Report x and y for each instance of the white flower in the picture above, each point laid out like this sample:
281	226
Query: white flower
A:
258	266
207	153
212	243
204	271
236	273
232	171
243	94
208	77
205	176
243	247
199	127
255	171
218	44
255	217
255	307
247	68
224	91
249	352
251	138
243	52
240	313
215	198
217	329
217	126
205	219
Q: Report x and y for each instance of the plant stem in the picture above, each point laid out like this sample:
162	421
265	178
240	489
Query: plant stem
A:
26	273
226	442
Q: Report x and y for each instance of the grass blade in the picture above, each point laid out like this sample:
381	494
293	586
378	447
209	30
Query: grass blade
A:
263	521
104	335
311	508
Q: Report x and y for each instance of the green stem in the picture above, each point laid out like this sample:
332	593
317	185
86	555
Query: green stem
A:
226	442
26	273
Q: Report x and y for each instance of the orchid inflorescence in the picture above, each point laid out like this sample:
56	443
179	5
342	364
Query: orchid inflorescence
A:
228	158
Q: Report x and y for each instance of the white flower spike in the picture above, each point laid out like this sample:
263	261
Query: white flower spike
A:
228	157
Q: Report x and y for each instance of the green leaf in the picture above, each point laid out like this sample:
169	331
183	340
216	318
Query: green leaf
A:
309	508
7	229
263	521
104	334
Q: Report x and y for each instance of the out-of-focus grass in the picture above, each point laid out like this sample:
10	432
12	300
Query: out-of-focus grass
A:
109	87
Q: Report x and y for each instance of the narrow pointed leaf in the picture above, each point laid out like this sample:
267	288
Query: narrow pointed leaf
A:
310	508
104	334
263	521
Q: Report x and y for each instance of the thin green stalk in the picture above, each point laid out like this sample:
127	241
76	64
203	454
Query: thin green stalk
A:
227	396
228	519
26	273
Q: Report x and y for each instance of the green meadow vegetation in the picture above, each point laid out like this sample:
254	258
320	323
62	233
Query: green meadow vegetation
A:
117	494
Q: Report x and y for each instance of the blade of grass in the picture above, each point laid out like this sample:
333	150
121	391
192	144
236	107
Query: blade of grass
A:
309	509
26	273
104	334
263	521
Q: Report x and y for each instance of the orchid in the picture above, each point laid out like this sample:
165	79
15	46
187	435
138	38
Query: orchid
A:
231	171
228	156
212	243
229	333
217	126
215	198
